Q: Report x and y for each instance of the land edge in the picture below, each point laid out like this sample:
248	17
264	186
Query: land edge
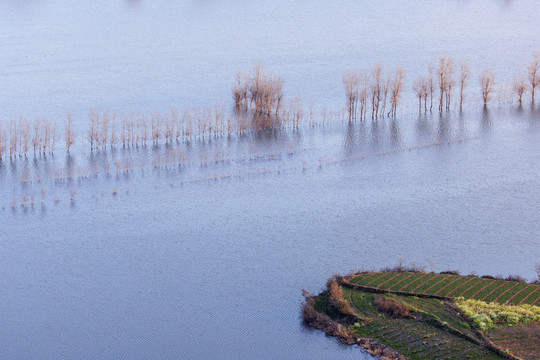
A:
330	327
333	328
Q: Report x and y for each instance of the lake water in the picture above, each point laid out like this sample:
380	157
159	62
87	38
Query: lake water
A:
127	254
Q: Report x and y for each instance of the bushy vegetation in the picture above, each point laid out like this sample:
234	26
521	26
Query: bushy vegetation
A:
492	315
392	307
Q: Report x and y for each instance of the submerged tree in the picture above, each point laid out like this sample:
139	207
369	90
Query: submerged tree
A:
463	80
420	88
445	74
534	73
396	89
260	92
520	86
351	80
69	136
487	84
376	90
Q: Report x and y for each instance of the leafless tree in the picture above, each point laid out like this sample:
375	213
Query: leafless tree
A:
520	86
24	131
430	85
240	91
363	95
420	89
69	136
385	89
94	128
13	137
351	80
396	89
114	132
124	133
376	90
104	134
534	73
487	84
445	75
3	141
38	137
463	80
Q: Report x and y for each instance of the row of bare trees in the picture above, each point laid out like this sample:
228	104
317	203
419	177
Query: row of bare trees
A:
20	137
444	78
360	88
110	129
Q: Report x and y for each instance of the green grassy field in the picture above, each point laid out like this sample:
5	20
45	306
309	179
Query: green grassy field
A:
447	285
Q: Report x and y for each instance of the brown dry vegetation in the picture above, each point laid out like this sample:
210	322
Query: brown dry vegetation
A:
392	307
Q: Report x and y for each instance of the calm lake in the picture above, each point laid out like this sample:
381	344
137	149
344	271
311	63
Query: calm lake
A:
131	253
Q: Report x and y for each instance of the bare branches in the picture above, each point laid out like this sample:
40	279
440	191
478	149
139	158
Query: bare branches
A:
520	86
351	80
534	73
487	84
463	80
265	93
445	76
376	90
69	135
420	88
93	129
396	89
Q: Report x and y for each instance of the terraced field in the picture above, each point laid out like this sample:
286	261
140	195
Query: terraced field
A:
523	341
421	337
448	285
430	316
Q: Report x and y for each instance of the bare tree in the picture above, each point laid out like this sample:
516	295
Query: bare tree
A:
450	68
463	80
278	94
442	80
3	141
24	127
114	133
487	84
37	139
53	137
69	135
520	86
363	95
376	90
13	137
385	89
445	75
534	73
420	89
396	89
104	130
240	91
351	80
430	85
93	129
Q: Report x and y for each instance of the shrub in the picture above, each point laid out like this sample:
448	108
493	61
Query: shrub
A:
336	299
451	272
514	277
392	307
